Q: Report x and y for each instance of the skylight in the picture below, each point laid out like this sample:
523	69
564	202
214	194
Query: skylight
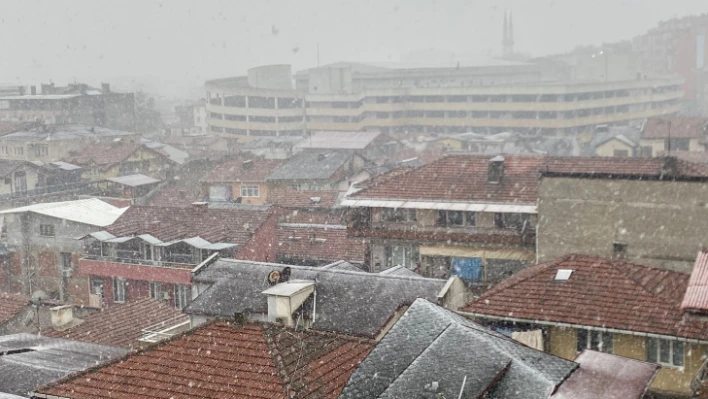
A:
563	274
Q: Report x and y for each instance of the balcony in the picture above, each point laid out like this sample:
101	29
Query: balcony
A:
482	235
137	269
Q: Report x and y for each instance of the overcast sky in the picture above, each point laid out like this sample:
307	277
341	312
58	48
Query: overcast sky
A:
178	44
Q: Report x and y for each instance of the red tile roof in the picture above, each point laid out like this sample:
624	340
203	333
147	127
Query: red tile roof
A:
318	216
176	196
462	178
696	298
303	199
121	325
234	170
10	305
599	293
304	242
105	153
234	226
225	361
681	127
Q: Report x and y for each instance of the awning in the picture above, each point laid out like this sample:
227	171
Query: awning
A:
437	205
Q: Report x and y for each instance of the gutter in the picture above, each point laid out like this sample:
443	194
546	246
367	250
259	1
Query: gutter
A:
44	396
584	327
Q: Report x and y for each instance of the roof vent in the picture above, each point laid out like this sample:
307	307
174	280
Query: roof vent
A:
318	240
563	274
496	169
247	164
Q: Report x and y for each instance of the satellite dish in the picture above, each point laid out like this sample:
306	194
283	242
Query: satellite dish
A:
39	297
273	277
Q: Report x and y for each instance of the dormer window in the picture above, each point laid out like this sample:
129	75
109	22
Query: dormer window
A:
495	172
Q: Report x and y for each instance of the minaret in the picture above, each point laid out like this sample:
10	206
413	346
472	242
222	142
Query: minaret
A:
508	40
505	37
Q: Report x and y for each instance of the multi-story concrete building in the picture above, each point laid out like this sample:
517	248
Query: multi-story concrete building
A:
75	103
488	97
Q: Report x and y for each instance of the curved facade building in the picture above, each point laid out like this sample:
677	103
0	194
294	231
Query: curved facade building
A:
430	99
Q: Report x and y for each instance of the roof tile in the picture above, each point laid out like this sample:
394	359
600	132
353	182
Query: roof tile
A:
10	305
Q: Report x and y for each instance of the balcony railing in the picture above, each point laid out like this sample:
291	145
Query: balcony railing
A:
79	187
142	262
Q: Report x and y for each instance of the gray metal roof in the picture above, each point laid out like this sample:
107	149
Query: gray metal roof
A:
342	265
400	270
310	165
337	140
30	360
430	350
348	302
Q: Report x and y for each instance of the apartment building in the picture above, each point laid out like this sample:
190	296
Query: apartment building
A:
490	97
74	103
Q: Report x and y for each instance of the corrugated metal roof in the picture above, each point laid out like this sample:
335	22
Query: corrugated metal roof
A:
338	140
134	180
91	211
449	206
696	297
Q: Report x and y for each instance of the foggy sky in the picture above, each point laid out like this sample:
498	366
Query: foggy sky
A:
177	44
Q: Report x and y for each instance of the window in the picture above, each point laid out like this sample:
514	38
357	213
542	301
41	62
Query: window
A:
146	166
119	288
456	218
511	220
250	190
677	144
594	340
3	150
19	151
65	260
663	351
20	181
398	215
41	150
46	230
156	291
645	151
181	296
401	255
619	250
621	153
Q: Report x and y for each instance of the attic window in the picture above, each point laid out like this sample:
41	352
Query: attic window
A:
619	250
563	274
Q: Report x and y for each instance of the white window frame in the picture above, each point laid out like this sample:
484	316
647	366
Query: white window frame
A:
659	343
181	296
156	291
47	230
19	151
120	288
250	190
588	342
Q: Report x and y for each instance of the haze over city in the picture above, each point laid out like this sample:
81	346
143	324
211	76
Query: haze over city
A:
171	47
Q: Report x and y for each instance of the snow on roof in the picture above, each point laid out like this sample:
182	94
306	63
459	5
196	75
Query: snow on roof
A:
134	180
338	140
91	211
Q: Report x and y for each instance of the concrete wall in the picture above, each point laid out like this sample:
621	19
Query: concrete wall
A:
662	222
36	262
563	343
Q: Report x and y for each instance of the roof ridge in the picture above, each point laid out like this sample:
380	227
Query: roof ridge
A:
621	270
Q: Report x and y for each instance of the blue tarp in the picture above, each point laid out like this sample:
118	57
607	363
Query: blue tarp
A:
467	268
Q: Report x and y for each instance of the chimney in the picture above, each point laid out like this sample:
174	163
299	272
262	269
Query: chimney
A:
62	315
200	207
670	167
286	298
247	164
105	88
495	173
33	90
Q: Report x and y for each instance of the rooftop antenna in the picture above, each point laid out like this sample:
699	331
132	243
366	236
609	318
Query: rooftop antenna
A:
462	388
